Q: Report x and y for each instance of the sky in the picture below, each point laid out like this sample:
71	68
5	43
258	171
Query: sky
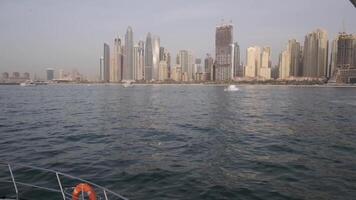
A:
69	34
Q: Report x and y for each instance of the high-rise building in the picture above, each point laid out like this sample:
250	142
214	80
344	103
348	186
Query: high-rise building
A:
345	71
161	53
117	61
186	64
168	57
238	71
176	73
49	73
264	71
315	54
183	61
139	61
101	70
292	68
197	66
275	72
253	61
136	62
163	70
128	55
223	52
284	64
197	70
191	65
141	45
296	68
155	59
177	59
208	67
148	58
5	75
345	50
26	75
165	56
106	63
333	58
354	49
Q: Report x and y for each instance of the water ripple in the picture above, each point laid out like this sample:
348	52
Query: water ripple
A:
186	142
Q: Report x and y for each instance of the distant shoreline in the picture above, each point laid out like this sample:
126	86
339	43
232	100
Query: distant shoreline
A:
203	84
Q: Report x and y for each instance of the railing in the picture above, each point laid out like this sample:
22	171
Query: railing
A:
102	193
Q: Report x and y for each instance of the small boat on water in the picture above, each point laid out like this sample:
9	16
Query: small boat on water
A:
28	83
127	84
231	88
59	184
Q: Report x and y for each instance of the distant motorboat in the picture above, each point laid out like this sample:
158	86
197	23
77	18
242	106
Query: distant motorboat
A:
27	84
231	88
127	85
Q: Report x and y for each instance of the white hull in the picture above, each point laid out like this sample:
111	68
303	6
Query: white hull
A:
231	88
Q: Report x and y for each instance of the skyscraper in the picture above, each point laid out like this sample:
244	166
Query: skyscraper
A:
163	70
293	67
101	70
106	63
148	58
208	67
141	69
186	63
315	54
333	58
236	60
223	52
284	65
345	50
264	71
128	58
117	64
161	53
168	57
176	74
26	75
49	73
5	75
295	56
197	66
346	58
253	61
138	61
155	59
164	56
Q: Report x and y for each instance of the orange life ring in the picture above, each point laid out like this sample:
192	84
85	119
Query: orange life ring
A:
83	187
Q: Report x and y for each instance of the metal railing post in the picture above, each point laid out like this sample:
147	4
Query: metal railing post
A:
60	186
13	180
106	196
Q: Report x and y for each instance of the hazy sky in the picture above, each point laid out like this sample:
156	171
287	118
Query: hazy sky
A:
69	34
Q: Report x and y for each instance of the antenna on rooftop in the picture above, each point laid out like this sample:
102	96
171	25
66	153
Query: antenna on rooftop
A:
343	26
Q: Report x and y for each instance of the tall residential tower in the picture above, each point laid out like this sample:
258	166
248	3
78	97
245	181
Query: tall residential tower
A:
128	57
223	52
106	63
148	58
315	54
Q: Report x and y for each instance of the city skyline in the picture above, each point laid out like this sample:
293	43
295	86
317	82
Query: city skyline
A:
53	50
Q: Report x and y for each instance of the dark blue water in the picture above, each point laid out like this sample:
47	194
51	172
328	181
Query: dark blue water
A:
188	142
